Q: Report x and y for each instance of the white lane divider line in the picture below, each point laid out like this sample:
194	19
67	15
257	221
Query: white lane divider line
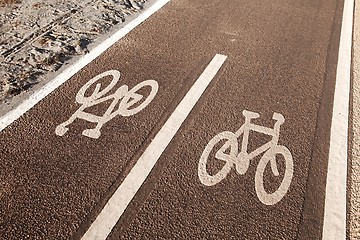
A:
11	116
117	204
335	199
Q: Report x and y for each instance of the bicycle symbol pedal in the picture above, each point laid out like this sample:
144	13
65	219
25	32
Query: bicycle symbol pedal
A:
229	153
124	97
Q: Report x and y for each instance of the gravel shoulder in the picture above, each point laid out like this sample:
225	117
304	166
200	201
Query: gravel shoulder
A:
355	127
38	38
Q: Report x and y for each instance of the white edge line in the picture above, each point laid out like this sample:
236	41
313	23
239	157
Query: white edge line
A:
26	105
335	199
118	202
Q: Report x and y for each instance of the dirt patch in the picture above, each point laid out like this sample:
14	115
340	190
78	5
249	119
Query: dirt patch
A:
40	37
8	2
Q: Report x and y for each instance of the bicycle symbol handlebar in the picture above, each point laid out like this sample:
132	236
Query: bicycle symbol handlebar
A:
241	159
124	97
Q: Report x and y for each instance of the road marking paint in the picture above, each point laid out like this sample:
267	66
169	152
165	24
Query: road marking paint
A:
117	204
335	199
26	105
126	97
241	159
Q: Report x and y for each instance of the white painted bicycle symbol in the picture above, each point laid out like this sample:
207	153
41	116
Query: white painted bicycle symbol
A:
128	103
229	153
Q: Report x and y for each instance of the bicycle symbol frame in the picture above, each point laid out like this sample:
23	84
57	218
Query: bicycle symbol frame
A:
123	96
241	159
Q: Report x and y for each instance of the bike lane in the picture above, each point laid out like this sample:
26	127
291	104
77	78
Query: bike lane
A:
285	66
52	185
277	62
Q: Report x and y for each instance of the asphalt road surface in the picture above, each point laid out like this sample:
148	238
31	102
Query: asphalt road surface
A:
211	120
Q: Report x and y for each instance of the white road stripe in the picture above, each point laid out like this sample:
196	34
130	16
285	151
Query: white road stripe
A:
117	204
335	200
11	116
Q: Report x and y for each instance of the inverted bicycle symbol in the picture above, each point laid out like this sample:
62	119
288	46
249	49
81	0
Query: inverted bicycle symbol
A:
241	159
123	97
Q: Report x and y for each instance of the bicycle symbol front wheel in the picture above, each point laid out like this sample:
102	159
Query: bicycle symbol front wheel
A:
132	98
270	156
229	158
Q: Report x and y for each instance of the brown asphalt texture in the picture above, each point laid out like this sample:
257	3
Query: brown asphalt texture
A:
281	58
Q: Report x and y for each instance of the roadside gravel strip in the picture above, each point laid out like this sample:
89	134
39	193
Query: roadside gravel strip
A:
39	37
355	127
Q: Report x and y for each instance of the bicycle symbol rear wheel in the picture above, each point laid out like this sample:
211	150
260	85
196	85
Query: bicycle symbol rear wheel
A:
263	195
229	158
80	96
